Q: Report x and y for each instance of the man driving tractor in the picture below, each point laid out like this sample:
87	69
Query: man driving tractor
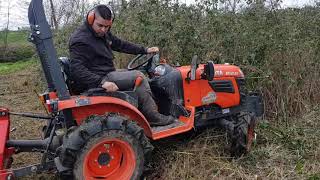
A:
92	66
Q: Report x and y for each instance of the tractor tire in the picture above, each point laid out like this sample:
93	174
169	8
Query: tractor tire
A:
105	147
243	134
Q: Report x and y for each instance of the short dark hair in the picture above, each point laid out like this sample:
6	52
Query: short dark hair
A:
103	11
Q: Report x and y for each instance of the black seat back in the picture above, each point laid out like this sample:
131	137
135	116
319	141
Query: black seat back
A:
65	69
65	66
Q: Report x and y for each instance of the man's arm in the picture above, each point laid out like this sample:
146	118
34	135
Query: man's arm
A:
120	45
79	59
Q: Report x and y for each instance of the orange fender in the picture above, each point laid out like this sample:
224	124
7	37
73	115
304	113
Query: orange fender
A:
84	106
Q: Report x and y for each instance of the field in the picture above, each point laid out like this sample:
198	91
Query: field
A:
15	37
282	150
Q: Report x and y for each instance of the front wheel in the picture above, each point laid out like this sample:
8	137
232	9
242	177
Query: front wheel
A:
243	134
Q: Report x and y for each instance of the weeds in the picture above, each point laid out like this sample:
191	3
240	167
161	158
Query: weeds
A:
287	151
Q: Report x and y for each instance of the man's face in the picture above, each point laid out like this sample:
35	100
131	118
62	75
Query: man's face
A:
101	26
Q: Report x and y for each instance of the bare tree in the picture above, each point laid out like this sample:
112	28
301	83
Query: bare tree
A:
274	4
231	5
53	15
6	30
62	12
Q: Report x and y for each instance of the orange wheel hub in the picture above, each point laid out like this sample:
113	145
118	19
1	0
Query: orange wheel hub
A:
110	159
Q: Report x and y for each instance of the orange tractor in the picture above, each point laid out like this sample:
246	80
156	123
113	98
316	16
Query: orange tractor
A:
103	135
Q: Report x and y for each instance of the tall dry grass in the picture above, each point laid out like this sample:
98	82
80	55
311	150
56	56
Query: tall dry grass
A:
291	83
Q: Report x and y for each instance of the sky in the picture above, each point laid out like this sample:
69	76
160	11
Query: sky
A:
18	10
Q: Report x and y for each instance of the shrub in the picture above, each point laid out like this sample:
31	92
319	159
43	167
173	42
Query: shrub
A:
16	52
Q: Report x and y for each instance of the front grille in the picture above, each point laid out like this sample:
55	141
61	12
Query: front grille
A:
222	86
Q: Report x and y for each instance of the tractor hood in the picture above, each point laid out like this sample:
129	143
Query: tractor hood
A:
227	70
220	70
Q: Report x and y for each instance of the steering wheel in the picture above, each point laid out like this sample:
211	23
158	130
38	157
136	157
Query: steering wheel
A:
140	60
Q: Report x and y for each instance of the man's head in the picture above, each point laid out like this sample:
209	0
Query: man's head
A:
100	18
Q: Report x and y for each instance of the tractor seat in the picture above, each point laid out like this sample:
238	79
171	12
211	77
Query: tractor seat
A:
65	69
129	96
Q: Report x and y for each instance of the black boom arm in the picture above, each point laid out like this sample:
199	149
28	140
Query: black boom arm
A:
41	36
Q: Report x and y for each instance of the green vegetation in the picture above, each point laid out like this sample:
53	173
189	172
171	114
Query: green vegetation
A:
15	37
6	68
278	49
18	48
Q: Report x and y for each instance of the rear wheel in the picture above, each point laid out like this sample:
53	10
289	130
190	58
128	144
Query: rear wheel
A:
243	134
105	147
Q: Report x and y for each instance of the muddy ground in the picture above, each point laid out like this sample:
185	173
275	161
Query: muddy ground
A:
288	150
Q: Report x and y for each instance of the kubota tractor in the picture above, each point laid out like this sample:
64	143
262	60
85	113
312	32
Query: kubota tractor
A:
103	135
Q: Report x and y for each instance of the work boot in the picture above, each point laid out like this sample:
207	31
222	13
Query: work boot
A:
157	119
149	108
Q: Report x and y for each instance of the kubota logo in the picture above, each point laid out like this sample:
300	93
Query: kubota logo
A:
218	73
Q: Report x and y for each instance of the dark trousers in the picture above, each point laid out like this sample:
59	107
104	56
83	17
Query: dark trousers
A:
125	80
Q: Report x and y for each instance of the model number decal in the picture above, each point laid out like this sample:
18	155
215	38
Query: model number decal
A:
210	98
219	73
232	73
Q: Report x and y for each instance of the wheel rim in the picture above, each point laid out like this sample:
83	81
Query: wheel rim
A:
110	158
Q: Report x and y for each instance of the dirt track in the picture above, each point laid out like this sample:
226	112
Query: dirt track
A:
289	153
18	92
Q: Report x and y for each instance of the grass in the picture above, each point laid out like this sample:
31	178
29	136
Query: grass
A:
18	48
7	68
281	151
15	37
16	40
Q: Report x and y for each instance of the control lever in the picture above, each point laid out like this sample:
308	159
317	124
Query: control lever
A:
137	82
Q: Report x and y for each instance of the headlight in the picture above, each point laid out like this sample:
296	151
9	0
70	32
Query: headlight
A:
160	70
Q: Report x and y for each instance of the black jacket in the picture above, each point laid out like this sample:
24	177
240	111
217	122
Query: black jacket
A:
92	58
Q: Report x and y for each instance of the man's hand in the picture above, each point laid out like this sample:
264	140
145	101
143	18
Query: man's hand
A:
153	50
110	86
